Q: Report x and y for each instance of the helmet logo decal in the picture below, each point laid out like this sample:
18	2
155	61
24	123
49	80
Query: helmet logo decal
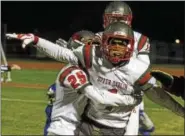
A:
119	33
116	12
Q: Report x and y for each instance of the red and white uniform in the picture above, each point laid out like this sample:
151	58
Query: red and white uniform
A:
69	103
118	80
141	49
72	90
105	78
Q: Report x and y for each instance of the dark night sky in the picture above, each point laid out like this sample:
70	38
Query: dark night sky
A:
158	20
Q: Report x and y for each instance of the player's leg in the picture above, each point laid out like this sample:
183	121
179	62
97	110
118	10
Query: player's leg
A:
48	111
2	77
65	120
62	127
54	134
145	123
132	127
90	127
147	126
51	134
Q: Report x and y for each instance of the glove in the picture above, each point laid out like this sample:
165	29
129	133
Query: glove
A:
96	40
51	96
61	42
26	38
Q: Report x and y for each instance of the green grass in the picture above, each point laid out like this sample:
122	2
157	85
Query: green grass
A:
34	76
20	118
23	108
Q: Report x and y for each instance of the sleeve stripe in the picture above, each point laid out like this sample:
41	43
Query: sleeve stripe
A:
87	51
64	74
142	42
144	79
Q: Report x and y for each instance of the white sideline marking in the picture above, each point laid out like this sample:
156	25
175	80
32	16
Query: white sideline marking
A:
45	102
20	100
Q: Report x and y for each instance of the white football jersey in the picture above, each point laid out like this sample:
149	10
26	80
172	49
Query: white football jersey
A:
104	77
118	80
69	104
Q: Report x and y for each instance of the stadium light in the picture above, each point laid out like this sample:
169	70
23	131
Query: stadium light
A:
177	41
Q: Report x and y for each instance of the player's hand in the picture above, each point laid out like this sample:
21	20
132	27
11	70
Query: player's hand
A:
138	95
26	38
96	40
51	96
78	43
61	42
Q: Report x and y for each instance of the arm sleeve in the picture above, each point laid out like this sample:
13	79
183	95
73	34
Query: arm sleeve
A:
143	45
56	52
159	96
145	58
153	90
108	98
76	79
144	49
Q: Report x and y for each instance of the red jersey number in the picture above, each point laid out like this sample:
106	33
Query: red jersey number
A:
74	78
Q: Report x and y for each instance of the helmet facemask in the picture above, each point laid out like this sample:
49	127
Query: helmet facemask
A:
117	48
110	18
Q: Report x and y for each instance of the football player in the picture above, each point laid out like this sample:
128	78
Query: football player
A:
120	11
69	102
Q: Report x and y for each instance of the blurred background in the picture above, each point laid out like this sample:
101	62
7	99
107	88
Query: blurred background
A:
162	22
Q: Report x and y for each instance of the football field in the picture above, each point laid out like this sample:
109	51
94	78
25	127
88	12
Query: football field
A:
24	99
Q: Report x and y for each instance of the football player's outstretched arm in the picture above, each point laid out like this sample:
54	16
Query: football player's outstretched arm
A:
107	98
153	90
76	79
155	93
52	50
55	51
